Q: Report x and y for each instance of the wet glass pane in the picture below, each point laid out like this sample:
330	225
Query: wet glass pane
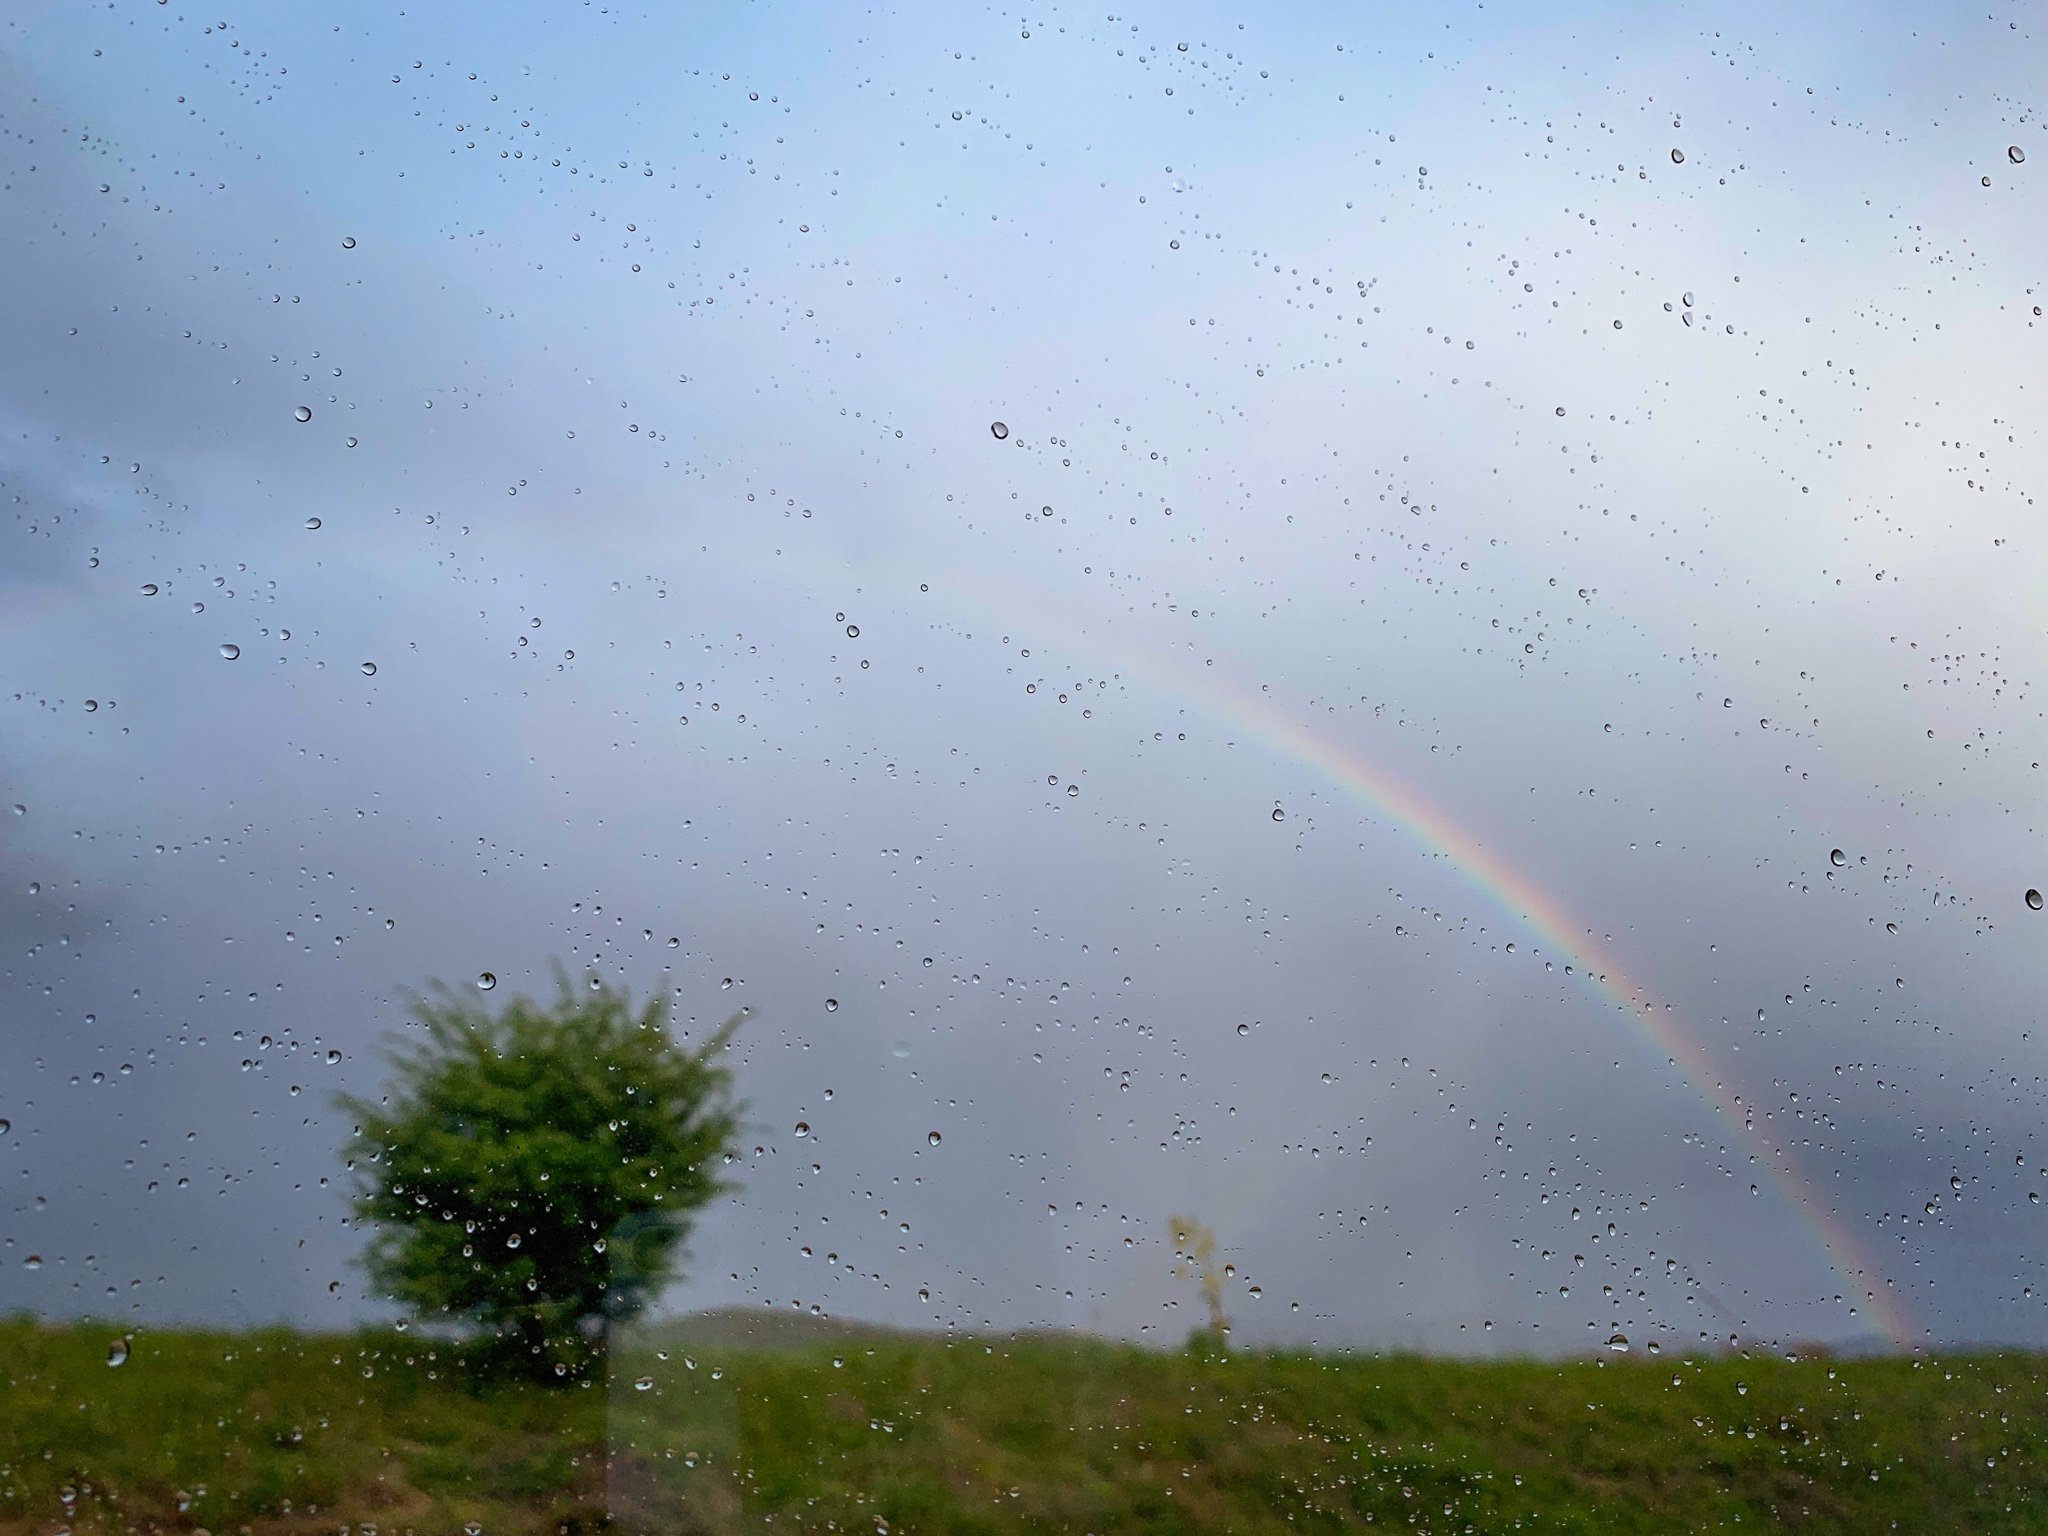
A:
920	770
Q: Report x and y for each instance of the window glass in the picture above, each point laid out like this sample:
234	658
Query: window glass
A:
909	769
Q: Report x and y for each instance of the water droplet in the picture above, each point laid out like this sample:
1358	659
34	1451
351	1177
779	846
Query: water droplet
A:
1278	814
1244	1029
485	981
303	413
644	1384
1001	431
33	1261
1678	157
512	1241
923	1294
1838	858
1688	301
312	524
369	669
753	95
957	116
803	1129
333	1057
1073	789
348	242
117	1352
853	631
472	1528
1560	410
2015	154
149	589
831	1005
2034	900
229	651
1619	1343
1045	511
933	1138
1955	1183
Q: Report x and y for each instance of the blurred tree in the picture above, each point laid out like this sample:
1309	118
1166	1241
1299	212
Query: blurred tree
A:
534	1172
1194	1255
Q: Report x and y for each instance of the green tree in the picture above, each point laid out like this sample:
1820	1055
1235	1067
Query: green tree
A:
534	1172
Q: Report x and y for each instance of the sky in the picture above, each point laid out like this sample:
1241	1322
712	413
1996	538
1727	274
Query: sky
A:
1416	637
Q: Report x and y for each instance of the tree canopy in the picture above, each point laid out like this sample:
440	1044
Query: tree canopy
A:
535	1171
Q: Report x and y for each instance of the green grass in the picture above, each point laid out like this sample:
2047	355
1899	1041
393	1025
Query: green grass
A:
871	1431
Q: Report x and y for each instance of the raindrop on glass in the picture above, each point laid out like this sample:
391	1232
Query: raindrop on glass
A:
1278	814
1678	157
369	669
933	1138
312	524
117	1352
999	429
831	1005
230	651
303	413
2034	900
803	1129
348	242
1838	858
485	981
2015	154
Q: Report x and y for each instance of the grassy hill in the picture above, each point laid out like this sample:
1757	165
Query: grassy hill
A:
728	1421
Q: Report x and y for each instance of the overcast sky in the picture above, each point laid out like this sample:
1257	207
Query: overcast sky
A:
1159	594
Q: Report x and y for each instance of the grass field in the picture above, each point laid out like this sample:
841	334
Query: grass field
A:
714	1425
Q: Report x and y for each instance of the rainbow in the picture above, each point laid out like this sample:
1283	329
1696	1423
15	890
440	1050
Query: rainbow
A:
1540	913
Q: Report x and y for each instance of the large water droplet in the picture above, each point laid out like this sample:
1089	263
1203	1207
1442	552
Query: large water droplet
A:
802	1129
831	1005
312	524
369	669
229	651
1278	814
485	981
1838	858
1678	157
333	1057
2015	154
1619	1343
2034	900
1001	431
853	631
644	1384
117	1352
348	242
303	413
933	1138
